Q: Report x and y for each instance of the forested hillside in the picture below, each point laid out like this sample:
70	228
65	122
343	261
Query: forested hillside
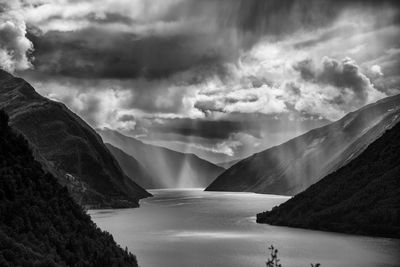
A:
68	146
40	224
363	197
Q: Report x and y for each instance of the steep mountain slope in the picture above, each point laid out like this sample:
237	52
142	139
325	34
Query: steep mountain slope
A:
66	144
290	168
362	197
227	164
40	224
133	168
169	168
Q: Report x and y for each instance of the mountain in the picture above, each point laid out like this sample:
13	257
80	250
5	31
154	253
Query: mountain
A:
40	224
292	167
68	147
362	197
167	167
228	164
133	168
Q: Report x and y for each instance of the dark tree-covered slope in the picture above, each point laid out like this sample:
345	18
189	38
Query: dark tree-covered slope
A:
363	197
68	147
290	168
40	224
168	168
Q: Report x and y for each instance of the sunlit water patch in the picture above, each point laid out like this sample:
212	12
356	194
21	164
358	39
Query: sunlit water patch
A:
195	228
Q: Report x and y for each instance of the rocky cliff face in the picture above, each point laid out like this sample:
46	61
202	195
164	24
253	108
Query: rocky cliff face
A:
68	147
292	167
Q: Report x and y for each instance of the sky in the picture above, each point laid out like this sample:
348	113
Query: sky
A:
222	79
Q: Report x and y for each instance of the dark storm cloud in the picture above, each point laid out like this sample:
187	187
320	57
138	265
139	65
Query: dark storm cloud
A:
208	129
258	18
97	53
282	17
126	117
306	68
193	36
251	124
215	39
345	74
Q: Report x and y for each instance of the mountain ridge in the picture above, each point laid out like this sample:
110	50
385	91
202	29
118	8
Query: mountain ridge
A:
291	167
361	197
169	168
132	167
69	146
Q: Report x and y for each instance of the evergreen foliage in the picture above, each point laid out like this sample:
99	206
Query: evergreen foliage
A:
40	224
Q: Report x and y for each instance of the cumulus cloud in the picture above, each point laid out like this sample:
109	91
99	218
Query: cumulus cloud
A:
345	75
327	88
14	46
251	100
376	70
333	88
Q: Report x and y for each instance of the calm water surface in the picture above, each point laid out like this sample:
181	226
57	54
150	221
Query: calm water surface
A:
196	228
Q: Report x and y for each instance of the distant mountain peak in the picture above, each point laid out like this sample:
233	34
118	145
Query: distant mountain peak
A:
167	168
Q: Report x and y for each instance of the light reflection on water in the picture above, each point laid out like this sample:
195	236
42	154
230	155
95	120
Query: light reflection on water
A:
194	228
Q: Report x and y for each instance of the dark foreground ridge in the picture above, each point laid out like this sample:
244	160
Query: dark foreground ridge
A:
40	224
363	197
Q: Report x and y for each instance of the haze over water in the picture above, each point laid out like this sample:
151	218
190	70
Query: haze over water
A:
190	227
